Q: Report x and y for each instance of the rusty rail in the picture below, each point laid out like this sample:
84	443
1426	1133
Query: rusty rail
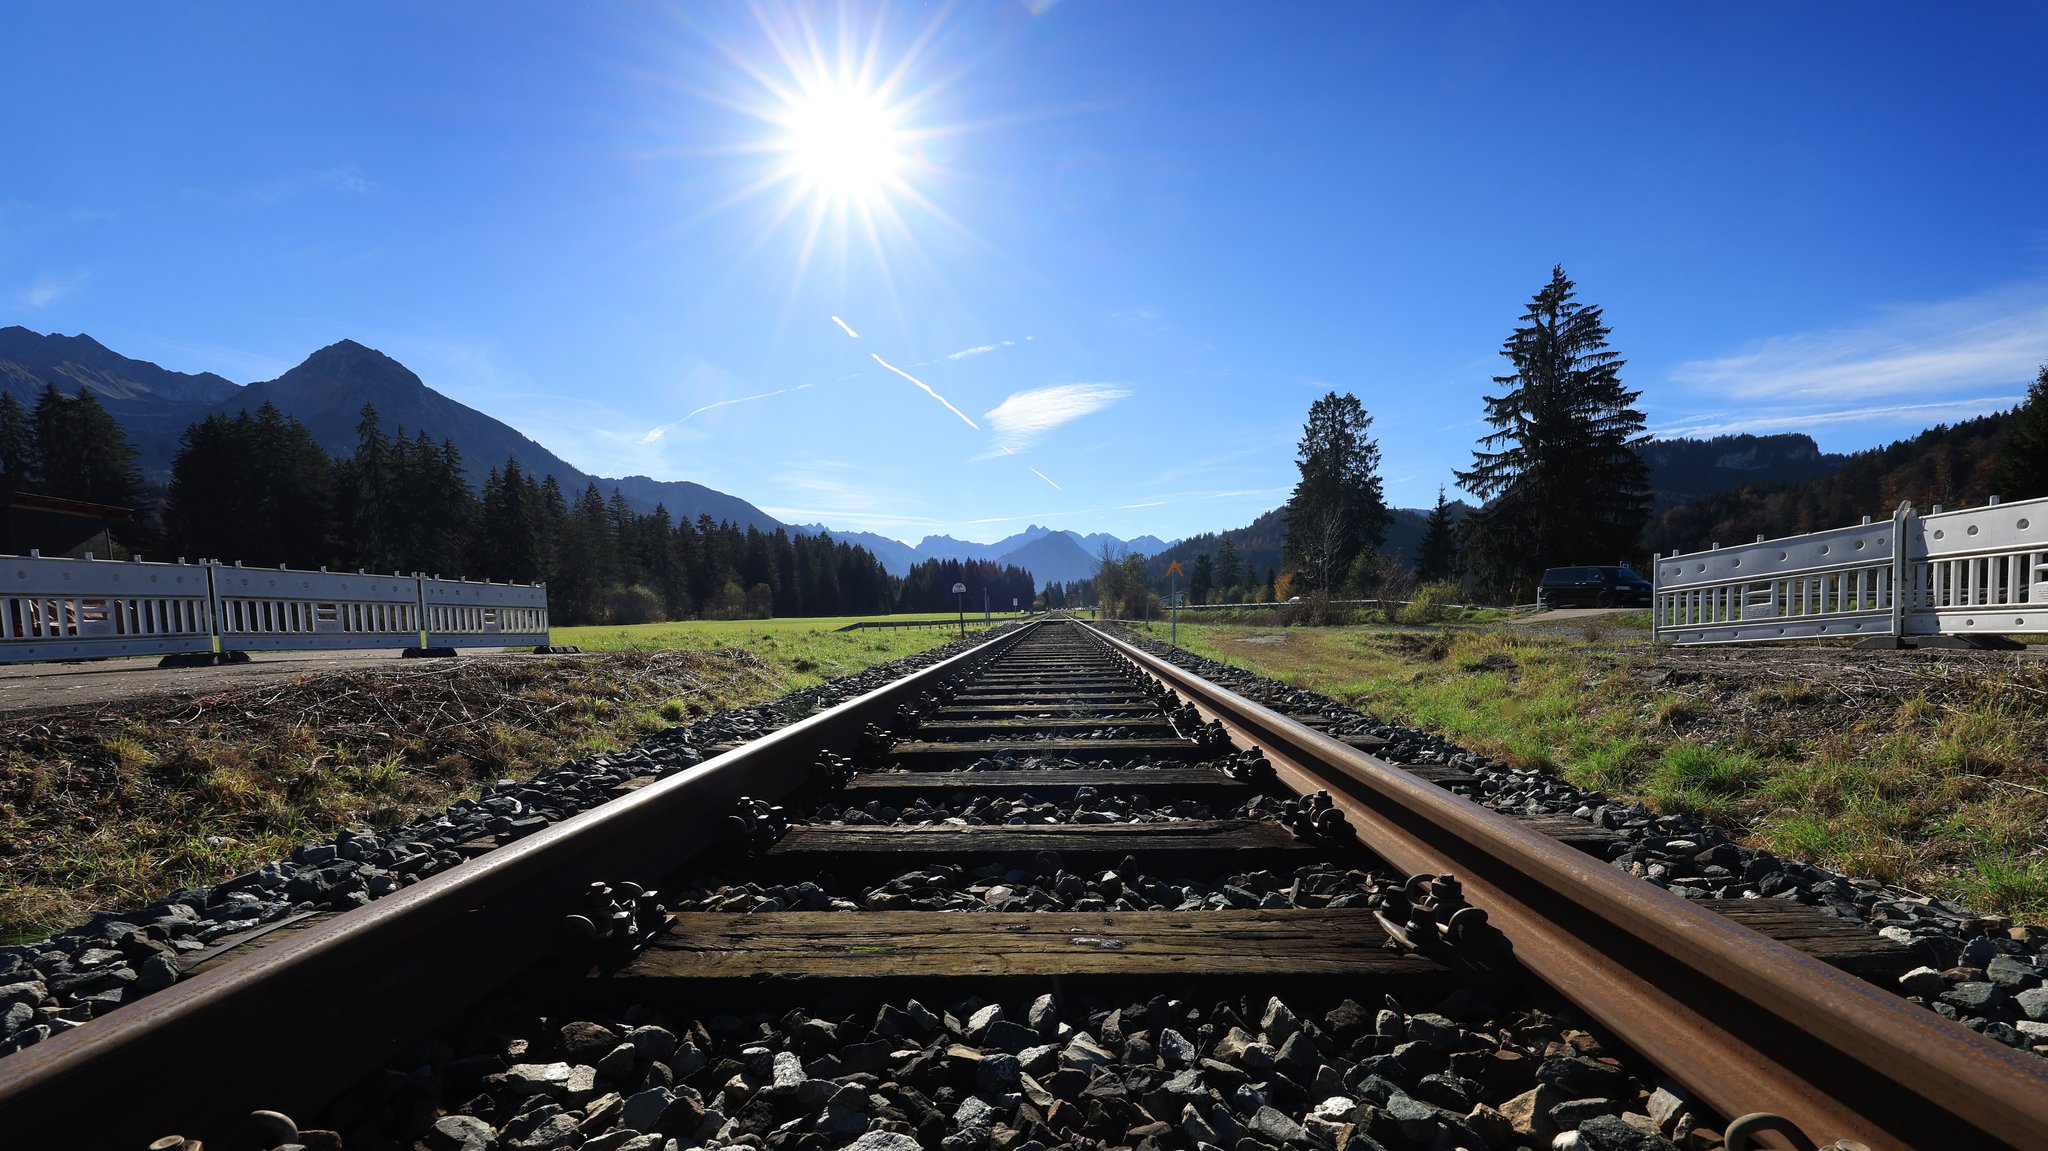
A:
1744	1022
286	1027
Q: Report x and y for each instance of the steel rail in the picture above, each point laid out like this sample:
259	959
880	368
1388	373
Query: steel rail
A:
288	1027
1744	1022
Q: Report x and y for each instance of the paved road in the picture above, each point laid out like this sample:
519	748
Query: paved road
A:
49	686
1567	614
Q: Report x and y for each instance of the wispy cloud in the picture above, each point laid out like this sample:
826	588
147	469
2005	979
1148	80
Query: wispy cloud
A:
1928	351
845	327
985	349
347	180
48	289
928	391
1022	419
654	434
1780	421
1046	478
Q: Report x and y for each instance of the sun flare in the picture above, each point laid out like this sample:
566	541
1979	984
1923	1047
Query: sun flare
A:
844	143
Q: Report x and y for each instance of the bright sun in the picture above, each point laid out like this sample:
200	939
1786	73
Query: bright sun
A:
843	143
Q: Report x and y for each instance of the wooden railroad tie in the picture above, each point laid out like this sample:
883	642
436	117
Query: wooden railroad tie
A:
927	944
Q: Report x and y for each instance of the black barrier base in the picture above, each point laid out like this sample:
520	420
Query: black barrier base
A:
428	653
558	649
1946	642
203	658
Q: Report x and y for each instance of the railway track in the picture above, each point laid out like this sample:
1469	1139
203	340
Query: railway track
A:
1053	890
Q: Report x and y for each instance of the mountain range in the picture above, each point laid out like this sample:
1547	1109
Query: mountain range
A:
1053	556
326	393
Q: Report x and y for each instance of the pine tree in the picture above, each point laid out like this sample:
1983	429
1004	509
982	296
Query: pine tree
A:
81	451
1201	579
368	485
1439	548
1229	568
18	463
1560	469
2023	457
1338	511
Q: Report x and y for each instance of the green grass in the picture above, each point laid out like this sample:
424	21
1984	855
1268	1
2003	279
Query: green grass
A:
1938	784
808	651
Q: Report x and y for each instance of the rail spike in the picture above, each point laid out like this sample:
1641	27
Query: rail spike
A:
1315	817
754	825
1428	915
616	919
1250	766
874	744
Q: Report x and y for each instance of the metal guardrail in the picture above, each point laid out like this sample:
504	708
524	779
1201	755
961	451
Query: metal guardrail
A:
1975	571
57	608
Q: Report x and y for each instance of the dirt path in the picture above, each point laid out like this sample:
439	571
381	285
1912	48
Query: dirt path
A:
90	683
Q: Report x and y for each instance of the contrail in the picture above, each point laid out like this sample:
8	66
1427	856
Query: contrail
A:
661	431
1046	478
849	331
928	390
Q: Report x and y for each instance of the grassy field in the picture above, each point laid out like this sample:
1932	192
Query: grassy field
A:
110	808
805	651
1926	772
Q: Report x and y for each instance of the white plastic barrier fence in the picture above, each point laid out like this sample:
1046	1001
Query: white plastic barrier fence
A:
465	614
278	609
54	608
1980	570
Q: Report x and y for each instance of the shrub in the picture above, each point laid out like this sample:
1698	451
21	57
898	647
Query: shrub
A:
1432	602
636	604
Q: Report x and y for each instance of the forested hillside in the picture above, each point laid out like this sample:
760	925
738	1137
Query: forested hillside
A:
1951	465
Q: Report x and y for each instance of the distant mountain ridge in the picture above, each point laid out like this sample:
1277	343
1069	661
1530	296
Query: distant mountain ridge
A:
326	393
1684	470
153	404
1051	555
1949	464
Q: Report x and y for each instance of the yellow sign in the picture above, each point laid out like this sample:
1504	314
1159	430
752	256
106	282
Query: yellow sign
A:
1173	568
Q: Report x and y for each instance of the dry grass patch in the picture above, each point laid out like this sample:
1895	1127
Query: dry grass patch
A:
119	805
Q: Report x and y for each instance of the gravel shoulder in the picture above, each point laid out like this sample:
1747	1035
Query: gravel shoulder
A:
33	687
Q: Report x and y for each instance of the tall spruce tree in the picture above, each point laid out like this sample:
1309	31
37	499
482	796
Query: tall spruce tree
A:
1338	511
1202	579
1438	558
1229	568
1560	471
2023	457
81	451
18	463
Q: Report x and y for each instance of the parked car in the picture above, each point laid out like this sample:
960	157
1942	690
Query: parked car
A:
1593	587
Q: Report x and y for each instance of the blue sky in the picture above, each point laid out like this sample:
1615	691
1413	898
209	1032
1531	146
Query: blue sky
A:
1127	243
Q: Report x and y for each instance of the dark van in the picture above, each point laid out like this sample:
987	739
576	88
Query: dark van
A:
1593	587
